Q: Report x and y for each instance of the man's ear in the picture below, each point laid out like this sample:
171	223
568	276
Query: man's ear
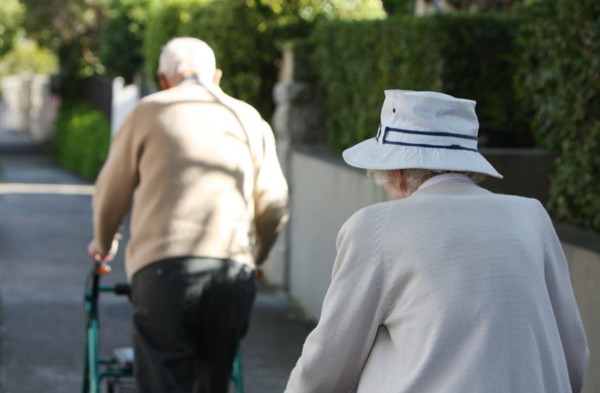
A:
217	76
164	83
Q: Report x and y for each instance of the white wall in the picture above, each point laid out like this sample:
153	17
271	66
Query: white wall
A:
324	194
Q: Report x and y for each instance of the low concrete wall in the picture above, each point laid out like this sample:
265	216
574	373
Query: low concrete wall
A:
526	171
325	193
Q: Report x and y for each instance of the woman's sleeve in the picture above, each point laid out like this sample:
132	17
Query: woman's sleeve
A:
335	352
568	319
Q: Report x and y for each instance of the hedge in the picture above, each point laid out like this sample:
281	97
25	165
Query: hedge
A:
466	55
534	75
82	138
560	79
121	37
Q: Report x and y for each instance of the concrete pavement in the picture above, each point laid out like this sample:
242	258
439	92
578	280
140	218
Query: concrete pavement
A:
45	224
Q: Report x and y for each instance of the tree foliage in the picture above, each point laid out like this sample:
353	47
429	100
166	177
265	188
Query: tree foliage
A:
122	35
71	29
11	17
484	5
398	7
28	57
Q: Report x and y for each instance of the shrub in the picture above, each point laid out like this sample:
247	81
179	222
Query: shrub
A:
82	139
12	14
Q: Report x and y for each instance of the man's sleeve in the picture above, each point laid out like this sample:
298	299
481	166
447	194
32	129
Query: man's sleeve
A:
572	334
115	185
354	308
270	197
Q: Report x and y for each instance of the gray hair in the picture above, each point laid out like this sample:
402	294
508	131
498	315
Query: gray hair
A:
415	177
187	56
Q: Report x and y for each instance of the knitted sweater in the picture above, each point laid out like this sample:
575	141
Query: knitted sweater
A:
203	174
453	289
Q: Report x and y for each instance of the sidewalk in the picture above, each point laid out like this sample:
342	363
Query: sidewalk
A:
45	224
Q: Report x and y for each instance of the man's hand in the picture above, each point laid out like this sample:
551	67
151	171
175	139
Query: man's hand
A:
94	251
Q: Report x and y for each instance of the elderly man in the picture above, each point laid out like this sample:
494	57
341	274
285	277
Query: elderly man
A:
210	200
447	287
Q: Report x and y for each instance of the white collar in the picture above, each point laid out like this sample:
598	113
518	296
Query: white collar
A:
445	177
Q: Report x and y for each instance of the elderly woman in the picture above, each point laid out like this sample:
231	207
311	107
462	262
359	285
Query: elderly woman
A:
447	287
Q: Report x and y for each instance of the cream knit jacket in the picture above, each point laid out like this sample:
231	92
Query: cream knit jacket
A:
201	183
452	290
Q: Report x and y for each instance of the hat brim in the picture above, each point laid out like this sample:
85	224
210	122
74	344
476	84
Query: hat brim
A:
375	156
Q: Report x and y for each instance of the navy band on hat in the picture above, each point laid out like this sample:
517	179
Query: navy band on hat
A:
382	138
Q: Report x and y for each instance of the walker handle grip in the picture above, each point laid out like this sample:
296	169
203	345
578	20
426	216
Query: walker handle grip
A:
122	289
103	268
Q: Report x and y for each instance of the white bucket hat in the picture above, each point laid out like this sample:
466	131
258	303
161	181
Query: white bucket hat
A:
426	130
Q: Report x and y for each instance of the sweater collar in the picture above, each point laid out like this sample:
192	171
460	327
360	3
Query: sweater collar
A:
189	80
445	177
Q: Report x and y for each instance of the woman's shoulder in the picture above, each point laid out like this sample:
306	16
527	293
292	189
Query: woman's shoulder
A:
369	216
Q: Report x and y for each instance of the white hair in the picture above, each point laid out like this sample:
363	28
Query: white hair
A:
415	177
187	56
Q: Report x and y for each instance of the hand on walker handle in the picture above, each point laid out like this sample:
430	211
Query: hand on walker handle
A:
94	251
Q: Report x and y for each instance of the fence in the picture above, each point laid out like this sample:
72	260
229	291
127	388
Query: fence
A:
28	106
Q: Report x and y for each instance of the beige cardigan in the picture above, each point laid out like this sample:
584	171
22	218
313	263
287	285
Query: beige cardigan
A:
452	290
203	184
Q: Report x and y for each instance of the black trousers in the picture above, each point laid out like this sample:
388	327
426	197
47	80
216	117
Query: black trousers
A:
189	315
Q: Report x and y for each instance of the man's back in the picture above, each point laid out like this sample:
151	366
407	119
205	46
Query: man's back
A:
197	153
209	199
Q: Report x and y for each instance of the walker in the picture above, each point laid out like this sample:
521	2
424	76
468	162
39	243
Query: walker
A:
114	374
